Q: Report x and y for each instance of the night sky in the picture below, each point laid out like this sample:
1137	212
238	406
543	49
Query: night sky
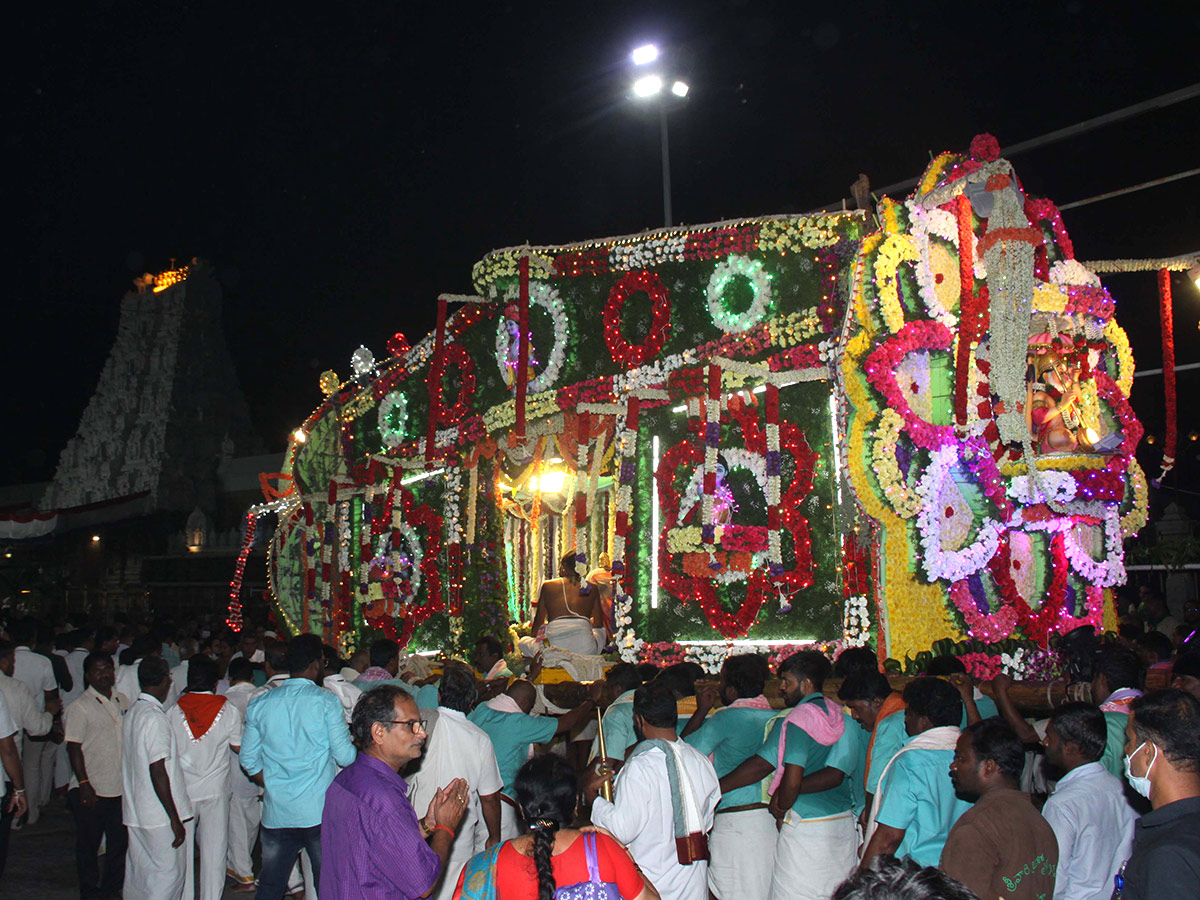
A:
342	168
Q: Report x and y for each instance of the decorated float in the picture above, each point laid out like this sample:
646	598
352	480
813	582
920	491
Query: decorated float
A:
843	429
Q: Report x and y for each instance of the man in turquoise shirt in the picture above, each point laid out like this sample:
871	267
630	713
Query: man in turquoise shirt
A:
513	731
293	741
731	736
620	683
916	804
849	756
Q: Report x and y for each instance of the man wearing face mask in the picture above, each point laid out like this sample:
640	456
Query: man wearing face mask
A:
1162	763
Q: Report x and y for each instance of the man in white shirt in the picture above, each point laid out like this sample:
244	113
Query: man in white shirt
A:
649	802
276	668
92	736
25	709
245	802
154	802
208	728
347	693
458	748
76	649
37	755
13	802
1088	810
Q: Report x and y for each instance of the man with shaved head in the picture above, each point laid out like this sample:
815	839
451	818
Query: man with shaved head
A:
513	731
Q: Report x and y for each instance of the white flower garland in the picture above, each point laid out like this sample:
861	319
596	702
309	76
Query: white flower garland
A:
951	565
393	435
1108	571
416	554
545	296
760	283
856	621
1071	271
927	278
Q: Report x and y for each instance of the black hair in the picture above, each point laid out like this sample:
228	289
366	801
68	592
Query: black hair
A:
143	645
202	673
746	673
383	651
240	669
64	641
566	567
375	705
96	656
1119	666
7	648
680	679
854	660
810	664
994	739
1130	631
457	689
546	788
276	658
648	671
1187	664
22	631
493	644
1171	719
655	702
888	878
945	665
1157	643
623	677
865	686
302	651
1083	725
78	637
103	635
937	700
152	671
333	662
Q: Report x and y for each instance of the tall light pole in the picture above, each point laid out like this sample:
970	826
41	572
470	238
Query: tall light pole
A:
650	86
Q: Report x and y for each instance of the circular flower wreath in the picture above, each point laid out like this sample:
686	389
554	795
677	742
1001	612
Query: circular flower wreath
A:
456	354
760	283
625	353
545	296
393	418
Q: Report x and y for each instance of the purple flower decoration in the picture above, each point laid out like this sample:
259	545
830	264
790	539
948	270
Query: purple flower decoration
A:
712	433
773	462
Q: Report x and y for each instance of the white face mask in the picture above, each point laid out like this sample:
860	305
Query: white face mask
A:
1140	783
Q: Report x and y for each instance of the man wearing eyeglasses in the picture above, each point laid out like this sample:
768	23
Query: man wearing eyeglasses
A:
372	844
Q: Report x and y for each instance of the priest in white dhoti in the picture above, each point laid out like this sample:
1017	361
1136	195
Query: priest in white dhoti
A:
666	796
569	615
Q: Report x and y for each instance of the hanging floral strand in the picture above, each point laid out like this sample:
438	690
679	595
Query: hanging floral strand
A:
1168	352
233	616
583	429
712	438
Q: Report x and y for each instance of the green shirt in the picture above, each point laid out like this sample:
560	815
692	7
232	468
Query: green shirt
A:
1114	744
619	735
889	738
801	750
511	734
849	755
731	736
919	797
987	710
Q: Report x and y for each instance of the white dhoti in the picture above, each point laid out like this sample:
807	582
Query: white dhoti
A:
37	764
569	633
813	856
245	818
154	870
208	829
742	850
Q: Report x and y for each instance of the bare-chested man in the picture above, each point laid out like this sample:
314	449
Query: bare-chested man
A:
565	617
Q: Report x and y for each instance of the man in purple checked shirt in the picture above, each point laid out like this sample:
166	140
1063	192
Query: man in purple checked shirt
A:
373	846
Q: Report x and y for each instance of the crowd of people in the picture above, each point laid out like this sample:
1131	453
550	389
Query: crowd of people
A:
179	749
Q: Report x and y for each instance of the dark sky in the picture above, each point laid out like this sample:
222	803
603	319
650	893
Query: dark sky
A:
341	168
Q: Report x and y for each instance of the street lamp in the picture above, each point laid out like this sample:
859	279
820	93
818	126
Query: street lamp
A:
653	85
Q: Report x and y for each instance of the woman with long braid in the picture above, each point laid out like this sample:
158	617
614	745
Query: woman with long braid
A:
554	861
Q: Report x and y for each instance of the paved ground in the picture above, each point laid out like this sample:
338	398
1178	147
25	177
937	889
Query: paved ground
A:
41	860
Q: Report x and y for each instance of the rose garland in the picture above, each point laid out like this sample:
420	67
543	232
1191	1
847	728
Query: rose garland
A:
881	366
760	284
624	353
457	355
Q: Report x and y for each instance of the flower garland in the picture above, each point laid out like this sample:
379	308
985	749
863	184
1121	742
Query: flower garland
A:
1168	352
457	355
884	360
624	353
1135	520
896	248
712	439
1108	571
547	297
1116	336
905	501
720	280
949	565
393	418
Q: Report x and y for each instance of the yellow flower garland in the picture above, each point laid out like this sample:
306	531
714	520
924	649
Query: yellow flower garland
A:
1115	335
903	499
1135	520
897	248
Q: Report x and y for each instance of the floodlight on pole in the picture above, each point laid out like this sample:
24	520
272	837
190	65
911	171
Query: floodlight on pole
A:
647	86
647	53
679	89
